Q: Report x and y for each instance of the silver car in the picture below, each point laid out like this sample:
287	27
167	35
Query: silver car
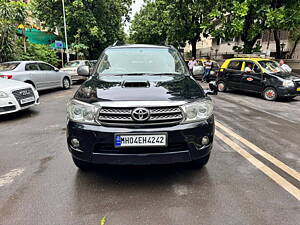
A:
72	66
40	74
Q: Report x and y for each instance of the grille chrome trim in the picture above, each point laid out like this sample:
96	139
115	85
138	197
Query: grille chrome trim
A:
122	116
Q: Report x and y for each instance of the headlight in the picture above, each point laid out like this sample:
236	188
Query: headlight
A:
3	94
288	83
81	112
197	111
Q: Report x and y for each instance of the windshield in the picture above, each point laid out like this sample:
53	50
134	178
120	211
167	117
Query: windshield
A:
72	64
8	66
141	61
271	66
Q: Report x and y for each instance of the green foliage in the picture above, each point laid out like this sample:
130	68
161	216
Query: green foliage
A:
92	23
250	18
11	15
149	25
172	22
37	53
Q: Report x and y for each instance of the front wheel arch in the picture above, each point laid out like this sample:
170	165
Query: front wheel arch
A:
30	82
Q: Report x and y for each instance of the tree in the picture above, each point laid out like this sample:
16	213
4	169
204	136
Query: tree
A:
92	23
36	52
238	18
11	15
283	15
149	25
295	38
174	22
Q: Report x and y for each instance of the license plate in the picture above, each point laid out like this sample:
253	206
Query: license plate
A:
298	89
140	140
26	100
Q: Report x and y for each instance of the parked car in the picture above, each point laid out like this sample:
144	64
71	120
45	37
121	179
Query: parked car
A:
198	70
72	66
39	74
265	77
16	96
141	106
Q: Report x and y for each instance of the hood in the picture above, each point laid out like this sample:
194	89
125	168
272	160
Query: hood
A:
6	84
139	88
286	76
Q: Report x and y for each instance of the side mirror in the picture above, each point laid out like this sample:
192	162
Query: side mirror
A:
56	69
213	88
83	71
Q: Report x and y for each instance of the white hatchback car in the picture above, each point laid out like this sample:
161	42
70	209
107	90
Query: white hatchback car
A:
16	96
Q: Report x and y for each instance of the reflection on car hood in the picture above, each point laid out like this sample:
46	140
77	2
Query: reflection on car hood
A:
157	88
6	84
287	76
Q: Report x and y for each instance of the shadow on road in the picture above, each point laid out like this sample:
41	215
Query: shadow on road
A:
257	95
31	112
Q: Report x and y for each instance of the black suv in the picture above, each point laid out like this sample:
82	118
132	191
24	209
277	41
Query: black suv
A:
140	106
258	75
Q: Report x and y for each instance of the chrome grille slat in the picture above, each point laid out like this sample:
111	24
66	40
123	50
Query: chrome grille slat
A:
116	116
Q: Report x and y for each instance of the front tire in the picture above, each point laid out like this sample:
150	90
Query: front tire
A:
66	83
270	94
82	165
199	163
221	86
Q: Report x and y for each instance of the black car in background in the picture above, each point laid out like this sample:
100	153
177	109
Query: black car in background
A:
258	75
141	106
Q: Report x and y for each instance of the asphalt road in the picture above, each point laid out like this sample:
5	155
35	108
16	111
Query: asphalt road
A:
251	178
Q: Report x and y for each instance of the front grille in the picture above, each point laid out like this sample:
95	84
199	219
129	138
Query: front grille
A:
114	116
7	108
109	148
22	94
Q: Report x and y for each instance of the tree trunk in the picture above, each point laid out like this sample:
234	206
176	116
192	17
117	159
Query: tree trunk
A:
294	47
248	43
248	46
194	47
277	41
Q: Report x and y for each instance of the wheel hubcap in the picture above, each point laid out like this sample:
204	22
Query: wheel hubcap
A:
66	83
221	87
270	94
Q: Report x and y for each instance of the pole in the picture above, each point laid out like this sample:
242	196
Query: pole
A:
65	28
62	57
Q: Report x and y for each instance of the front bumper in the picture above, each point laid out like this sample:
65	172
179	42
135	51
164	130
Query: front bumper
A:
288	92
76	77
184	144
11	104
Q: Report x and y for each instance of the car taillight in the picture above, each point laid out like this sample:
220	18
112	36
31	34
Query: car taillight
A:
6	76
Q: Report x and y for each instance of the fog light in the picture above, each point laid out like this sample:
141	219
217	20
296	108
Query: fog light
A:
75	143
205	140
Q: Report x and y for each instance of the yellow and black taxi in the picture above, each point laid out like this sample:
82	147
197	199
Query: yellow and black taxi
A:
259	75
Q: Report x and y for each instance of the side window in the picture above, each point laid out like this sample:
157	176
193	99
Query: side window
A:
44	66
31	67
235	65
256	69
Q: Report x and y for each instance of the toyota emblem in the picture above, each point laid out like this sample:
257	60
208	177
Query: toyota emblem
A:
140	114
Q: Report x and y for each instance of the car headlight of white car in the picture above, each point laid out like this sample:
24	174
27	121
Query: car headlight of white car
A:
78	111
197	111
288	83
3	94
